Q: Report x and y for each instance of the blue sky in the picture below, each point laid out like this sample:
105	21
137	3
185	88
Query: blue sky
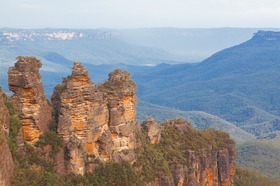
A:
139	13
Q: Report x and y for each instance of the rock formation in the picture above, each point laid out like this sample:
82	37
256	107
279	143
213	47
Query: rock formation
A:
6	161
120	93
96	122
29	98
210	165
152	128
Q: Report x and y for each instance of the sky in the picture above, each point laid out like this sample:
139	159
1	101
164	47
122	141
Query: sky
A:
139	13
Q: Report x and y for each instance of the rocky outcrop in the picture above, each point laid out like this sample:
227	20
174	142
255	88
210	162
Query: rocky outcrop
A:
29	98
6	161
96	123
120	93
205	163
152	129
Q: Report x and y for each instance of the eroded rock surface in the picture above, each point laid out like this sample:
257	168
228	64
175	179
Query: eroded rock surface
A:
152	128
6	161
96	122
29	98
212	166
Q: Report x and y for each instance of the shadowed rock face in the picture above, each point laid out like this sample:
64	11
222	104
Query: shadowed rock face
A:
96	122
152	128
6	161
29	98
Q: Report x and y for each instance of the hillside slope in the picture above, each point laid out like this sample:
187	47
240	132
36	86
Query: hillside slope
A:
239	84
200	120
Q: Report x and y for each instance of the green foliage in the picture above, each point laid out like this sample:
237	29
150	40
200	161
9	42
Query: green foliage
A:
154	160
117	174
261	155
29	177
244	176
10	107
51	138
151	160
36	157
174	143
14	129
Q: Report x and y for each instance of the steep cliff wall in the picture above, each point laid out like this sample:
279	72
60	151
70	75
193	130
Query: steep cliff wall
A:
96	123
120	93
29	98
194	157
6	161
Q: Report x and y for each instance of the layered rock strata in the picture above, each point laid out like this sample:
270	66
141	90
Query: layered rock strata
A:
207	166
6	161
29	98
96	123
120	94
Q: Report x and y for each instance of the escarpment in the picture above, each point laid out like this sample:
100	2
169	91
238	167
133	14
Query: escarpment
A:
96	123
29	98
6	161
95	129
194	157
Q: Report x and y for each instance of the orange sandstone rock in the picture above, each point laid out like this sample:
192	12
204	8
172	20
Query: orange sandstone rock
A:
29	98
101	119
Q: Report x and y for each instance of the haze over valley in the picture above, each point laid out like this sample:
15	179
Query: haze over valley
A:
140	93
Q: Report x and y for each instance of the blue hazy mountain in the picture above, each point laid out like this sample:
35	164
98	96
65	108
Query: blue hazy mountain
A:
239	84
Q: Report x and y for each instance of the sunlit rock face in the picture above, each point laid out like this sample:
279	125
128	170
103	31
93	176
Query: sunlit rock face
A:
29	98
212	166
96	123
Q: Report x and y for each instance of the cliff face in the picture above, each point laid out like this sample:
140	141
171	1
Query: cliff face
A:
194	158
6	161
120	93
96	123
29	98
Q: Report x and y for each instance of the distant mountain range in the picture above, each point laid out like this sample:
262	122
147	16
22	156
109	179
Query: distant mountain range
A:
59	48
236	89
129	46
239	84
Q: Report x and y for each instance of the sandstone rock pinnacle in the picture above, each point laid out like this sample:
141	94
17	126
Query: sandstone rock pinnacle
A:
152	128
29	98
96	122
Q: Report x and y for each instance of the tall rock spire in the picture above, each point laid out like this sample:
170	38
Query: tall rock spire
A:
96	122
29	98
